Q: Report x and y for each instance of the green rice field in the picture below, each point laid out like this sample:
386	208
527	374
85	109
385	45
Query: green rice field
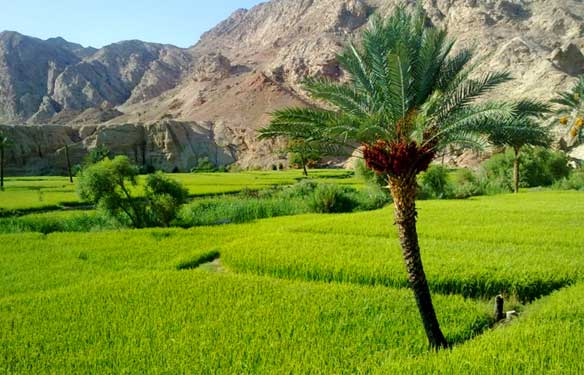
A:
304	294
37	193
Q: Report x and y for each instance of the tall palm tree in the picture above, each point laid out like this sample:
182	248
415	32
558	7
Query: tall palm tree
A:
526	128
571	111
407	97
4	144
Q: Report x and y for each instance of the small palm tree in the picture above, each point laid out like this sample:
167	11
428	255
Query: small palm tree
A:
407	97
571	111
5	142
524	129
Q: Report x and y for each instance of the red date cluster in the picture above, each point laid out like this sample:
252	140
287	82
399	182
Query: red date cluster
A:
397	158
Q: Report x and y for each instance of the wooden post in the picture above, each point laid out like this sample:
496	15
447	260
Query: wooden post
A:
499	306
69	171
1	167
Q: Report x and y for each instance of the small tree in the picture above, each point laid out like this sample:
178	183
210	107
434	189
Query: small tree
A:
164	196
96	155
521	130
571	112
303	153
109	182
5	142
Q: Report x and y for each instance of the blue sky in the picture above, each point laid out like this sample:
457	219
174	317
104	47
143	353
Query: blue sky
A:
101	22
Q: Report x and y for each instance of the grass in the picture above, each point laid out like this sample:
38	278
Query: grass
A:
477	248
300	294
49	193
195	322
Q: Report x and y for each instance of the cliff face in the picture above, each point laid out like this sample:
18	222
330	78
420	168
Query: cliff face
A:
167	145
253	63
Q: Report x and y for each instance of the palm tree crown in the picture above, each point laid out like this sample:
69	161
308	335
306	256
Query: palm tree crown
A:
525	128
571	111
407	97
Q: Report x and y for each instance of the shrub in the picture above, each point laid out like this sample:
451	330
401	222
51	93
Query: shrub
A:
164	197
371	198
434	184
466	184
538	167
232	210
329	198
204	165
108	185
302	189
573	182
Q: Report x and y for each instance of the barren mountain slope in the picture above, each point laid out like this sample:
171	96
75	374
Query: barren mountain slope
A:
539	42
254	62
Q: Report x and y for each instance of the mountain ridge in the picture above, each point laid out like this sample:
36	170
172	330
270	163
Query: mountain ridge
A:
255	60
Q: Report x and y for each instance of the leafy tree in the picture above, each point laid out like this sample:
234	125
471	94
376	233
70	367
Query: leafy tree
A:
521	130
571	111
5	142
303	153
109	183
164	197
96	155
408	96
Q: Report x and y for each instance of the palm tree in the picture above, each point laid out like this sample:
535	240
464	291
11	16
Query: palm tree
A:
407	97
4	144
571	111
524	129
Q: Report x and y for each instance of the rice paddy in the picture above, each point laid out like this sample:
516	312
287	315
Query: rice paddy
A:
319	294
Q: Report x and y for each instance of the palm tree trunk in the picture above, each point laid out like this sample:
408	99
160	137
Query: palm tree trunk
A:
403	190
304	169
516	170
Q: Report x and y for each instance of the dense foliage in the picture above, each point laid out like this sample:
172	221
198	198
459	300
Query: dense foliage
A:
108	184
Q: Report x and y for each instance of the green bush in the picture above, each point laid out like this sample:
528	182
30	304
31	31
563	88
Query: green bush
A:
573	182
434	184
329	198
164	197
109	184
542	167
204	165
232	210
538	167
371	198
466	184
302	189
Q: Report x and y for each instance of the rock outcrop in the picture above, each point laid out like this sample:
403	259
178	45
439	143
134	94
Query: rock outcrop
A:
255	61
167	145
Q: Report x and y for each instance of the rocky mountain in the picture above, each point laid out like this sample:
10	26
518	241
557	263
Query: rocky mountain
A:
254	61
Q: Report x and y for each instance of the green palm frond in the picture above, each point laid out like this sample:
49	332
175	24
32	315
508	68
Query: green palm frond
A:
464	139
342	96
404	85
524	128
471	89
453	67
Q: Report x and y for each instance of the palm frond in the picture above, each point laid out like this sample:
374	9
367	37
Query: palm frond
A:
342	96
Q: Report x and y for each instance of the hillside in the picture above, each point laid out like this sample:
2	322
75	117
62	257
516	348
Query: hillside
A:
254	61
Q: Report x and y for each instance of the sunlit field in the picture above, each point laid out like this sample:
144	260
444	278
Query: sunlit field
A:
298	294
33	193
